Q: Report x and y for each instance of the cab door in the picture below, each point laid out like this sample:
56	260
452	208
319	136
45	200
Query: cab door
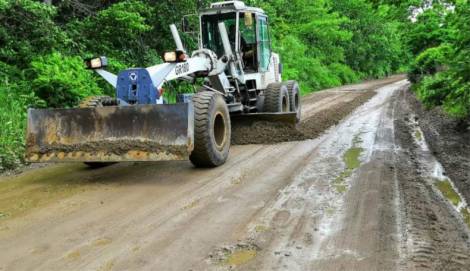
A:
264	44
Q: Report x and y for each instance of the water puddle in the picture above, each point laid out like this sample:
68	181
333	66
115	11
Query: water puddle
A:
240	257
437	176
351	158
449	191
101	242
234	255
74	255
352	162
261	228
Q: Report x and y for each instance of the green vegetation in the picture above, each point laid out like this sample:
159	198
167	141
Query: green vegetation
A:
440	40
322	43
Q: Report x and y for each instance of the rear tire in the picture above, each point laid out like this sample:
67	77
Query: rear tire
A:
276	98
212	130
98	101
294	96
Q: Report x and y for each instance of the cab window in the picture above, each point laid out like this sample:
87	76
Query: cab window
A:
210	31
248	44
264	44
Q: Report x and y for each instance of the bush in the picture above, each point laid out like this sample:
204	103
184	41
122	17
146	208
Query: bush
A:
443	90
62	81
429	62
457	103
115	32
449	87
15	98
307	70
344	73
27	29
433	90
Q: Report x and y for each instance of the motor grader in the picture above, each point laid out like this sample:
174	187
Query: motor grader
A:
242	79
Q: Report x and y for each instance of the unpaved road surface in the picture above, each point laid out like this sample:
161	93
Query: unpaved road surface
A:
365	195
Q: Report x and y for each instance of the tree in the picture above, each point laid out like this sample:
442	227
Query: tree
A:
375	48
429	30
27	29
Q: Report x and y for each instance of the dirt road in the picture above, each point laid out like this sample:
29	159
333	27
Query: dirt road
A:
365	195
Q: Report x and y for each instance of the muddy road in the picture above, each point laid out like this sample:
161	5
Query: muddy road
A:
366	194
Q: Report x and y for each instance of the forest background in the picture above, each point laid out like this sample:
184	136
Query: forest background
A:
322	43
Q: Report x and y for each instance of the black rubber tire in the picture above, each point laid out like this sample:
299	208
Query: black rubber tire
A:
212	130
276	98
294	96
98	101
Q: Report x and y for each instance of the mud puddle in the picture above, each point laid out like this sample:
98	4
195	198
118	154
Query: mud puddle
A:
434	172
262	132
234	255
351	159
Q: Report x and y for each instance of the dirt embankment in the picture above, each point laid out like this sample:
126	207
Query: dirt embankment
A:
309	128
449	140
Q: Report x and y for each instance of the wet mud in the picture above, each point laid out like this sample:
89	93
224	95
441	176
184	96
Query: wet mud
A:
117	147
448	139
261	132
432	232
234	255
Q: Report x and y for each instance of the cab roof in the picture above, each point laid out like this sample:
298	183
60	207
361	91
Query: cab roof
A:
230	6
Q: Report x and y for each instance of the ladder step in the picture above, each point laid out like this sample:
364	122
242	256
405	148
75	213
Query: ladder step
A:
251	108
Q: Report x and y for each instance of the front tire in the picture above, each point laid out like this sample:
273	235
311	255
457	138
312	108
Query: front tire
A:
276	98
212	130
294	96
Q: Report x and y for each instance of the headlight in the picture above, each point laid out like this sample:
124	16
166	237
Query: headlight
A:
176	56
96	63
169	57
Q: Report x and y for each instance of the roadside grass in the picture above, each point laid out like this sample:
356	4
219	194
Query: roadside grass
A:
12	119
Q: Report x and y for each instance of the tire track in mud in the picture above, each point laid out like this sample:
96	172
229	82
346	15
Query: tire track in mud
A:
448	139
434	237
320	111
260	132
321	220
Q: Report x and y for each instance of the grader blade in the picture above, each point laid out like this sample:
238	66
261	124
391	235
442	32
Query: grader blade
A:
110	134
289	118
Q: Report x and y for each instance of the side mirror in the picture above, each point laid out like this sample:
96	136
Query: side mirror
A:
185	25
190	24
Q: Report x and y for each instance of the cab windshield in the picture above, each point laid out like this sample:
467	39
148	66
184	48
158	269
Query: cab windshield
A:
248	47
210	31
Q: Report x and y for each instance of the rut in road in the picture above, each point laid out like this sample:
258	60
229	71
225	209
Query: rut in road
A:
435	234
